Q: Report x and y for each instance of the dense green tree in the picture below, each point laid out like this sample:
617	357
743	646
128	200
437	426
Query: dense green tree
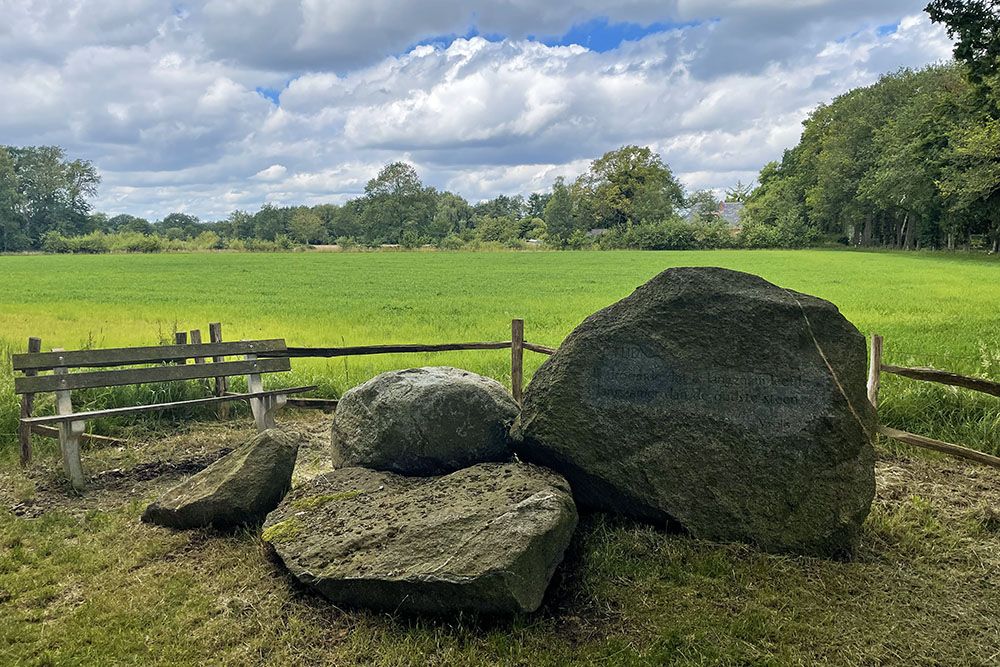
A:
130	223
452	215
975	27
52	191
535	206
626	186
559	221
12	232
703	207
306	226
395	202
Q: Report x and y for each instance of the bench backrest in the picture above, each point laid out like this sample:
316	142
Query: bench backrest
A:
170	360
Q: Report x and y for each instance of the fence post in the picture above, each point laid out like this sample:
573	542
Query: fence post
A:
221	383
516	358
875	370
195	337
181	338
27	403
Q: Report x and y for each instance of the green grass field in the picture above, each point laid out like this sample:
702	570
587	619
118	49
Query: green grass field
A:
82	582
932	309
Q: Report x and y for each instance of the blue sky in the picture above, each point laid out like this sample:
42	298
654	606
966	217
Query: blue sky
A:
209	106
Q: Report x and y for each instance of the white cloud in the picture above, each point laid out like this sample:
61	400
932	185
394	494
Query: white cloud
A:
165	99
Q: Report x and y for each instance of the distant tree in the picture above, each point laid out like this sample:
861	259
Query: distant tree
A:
502	206
129	223
396	201
270	222
53	192
12	232
452	215
703	207
306	226
739	193
178	226
536	204
628	185
559	222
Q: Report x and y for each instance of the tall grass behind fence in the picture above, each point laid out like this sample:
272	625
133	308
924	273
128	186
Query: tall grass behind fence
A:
936	310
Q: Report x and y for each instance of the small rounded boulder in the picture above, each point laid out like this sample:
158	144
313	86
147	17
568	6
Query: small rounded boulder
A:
423	421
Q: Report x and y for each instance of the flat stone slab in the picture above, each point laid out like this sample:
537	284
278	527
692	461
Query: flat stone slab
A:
238	489
716	400
487	538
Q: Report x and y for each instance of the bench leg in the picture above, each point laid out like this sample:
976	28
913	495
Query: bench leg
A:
69	444
69	436
69	441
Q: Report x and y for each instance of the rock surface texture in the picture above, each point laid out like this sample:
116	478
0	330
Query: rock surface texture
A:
238	489
487	538
716	400
423	421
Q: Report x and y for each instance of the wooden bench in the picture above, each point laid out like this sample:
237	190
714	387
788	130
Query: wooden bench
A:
163	363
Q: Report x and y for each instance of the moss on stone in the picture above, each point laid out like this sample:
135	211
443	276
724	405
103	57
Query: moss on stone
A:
282	531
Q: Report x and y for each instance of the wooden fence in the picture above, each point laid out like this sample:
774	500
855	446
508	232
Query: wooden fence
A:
875	370
517	345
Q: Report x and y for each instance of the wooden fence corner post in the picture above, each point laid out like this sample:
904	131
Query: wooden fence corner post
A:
27	404
517	359
875	370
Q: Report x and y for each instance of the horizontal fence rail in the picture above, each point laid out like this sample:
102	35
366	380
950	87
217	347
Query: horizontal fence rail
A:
876	368
945	377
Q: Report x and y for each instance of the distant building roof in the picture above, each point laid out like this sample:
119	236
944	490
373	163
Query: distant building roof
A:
731	213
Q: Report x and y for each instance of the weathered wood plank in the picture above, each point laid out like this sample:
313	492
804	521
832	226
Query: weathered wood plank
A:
132	409
304	352
945	377
127	376
541	349
517	359
27	404
940	446
125	356
49	432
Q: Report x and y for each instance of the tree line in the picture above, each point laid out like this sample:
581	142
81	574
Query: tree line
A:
627	199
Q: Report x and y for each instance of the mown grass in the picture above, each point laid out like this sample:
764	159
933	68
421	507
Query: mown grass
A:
935	310
83	582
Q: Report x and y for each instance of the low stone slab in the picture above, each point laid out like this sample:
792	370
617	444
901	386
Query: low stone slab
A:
423	421
487	538
238	489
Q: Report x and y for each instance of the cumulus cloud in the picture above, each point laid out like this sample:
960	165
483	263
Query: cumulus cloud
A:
204	107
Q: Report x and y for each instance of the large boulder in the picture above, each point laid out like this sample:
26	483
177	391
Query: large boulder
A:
423	421
486	538
238	489
716	400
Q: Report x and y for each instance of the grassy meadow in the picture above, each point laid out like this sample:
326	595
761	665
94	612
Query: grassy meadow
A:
938	310
83	582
